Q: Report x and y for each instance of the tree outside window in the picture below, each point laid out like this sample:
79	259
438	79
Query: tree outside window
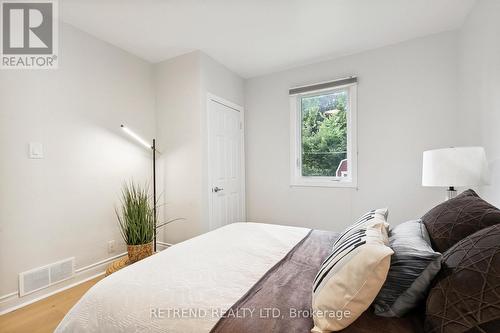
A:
324	135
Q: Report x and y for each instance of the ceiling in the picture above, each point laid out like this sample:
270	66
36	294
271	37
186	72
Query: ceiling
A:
255	37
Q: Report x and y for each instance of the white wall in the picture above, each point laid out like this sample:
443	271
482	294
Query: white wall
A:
182	85
479	51
63	205
219	81
178	103
407	101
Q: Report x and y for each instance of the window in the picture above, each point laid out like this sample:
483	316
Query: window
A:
323	141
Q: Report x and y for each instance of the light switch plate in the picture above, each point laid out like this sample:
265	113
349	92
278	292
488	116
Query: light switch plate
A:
35	150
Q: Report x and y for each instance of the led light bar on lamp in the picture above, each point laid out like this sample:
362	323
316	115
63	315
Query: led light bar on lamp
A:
136	137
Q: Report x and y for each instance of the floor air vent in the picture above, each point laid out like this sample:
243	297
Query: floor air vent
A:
43	277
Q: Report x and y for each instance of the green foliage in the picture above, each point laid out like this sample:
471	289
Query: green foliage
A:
136	220
324	133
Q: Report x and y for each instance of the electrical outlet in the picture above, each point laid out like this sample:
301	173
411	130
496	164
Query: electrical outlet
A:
111	246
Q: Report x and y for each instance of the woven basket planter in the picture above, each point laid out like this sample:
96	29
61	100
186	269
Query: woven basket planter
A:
138	252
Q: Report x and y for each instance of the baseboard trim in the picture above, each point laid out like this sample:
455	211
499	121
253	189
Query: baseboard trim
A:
12	301
39	298
104	261
12	294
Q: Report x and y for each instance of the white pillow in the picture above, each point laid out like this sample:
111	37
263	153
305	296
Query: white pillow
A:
353	274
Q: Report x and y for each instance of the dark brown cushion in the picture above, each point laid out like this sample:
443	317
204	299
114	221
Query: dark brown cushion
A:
369	322
458	218
466	293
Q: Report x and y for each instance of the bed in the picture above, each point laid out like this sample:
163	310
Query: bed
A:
244	277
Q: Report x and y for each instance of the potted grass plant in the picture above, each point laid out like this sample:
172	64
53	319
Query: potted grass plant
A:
136	221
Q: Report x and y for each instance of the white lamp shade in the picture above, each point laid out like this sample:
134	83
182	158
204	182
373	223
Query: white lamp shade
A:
459	166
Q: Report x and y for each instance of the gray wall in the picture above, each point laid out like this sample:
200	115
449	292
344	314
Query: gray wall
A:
63	205
432	92
480	87
217	80
407	103
182	85
178	118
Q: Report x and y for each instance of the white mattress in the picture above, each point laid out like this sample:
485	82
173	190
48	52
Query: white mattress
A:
186	287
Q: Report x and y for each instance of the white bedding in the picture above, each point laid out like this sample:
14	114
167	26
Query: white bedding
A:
205	276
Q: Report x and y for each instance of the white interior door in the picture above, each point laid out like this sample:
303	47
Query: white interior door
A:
226	163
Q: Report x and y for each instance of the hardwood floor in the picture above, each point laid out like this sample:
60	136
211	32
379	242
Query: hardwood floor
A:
44	316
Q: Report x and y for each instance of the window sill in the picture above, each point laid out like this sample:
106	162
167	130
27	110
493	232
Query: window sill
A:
330	183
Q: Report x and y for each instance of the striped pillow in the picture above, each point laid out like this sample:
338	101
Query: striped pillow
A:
374	217
352	275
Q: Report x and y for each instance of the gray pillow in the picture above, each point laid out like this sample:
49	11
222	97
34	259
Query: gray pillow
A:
413	266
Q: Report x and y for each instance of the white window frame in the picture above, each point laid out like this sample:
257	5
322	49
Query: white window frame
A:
297	179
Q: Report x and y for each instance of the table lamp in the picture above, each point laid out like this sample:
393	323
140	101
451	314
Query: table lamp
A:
455	167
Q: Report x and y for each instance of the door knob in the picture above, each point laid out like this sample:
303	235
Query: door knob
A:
217	189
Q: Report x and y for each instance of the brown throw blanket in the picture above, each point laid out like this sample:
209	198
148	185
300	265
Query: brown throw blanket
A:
281	300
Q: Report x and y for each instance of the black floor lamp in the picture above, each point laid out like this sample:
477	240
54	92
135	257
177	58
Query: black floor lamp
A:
153	148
